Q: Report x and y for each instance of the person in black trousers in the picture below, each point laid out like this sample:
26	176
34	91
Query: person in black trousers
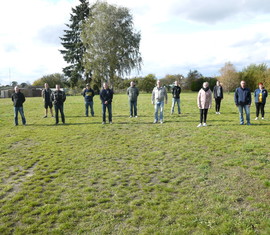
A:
218	95
58	99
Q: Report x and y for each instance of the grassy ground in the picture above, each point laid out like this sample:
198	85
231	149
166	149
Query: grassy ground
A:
134	177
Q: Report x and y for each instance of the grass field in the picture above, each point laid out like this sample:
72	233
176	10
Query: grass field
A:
134	177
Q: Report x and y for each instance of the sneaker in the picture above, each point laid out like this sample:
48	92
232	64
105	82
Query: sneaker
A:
161	121
45	116
52	116
249	124
200	125
136	116
155	121
110	122
204	124
216	112
256	118
241	123
130	116
262	118
103	123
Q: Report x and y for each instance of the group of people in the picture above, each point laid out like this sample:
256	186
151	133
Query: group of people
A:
56	98
242	99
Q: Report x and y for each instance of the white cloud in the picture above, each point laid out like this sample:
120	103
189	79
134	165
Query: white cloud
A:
176	35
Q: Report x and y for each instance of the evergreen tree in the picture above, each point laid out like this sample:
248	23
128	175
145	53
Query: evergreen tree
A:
74	48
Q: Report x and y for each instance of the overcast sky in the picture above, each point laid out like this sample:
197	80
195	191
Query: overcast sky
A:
177	35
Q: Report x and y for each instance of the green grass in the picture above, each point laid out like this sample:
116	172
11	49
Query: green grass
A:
134	177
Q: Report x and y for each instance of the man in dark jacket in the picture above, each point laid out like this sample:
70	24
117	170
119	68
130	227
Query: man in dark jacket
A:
242	99
88	94
58	99
18	99
133	94
106	96
176	97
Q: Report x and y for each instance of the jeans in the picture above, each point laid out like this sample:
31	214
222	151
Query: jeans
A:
247	111
133	108
176	100
218	101
259	107
20	110
87	105
59	107
109	107
159	106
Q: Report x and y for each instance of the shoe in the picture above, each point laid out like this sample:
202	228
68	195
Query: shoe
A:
249	124
155	121
45	116
204	124
200	125
52	116
136	116
179	113
256	118
130	116
161	121
110	122
216	112
262	118
103	123
241	123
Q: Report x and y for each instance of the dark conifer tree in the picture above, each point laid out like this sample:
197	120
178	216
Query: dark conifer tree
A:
74	48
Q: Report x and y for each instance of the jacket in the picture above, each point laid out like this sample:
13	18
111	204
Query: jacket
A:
58	97
159	94
204	99
218	93
106	95
133	93
176	92
264	95
242	96
88	94
18	99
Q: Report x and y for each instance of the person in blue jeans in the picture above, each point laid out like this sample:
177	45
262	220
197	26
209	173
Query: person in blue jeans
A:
106	96
133	93
242	99
18	99
159	95
88	94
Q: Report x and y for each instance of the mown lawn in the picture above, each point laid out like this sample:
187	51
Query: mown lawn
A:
134	177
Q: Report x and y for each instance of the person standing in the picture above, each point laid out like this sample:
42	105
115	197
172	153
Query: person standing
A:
18	99
88	94
58	98
204	101
218	95
176	97
242	99
133	93
159	94
106	96
260	96
47	98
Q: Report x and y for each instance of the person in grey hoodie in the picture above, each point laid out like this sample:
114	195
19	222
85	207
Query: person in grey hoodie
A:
133	93
159	94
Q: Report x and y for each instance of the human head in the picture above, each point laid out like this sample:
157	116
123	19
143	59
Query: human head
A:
243	84
87	85
46	85
158	83
260	85
132	83
16	89
57	87
218	83
176	83
205	84
105	85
